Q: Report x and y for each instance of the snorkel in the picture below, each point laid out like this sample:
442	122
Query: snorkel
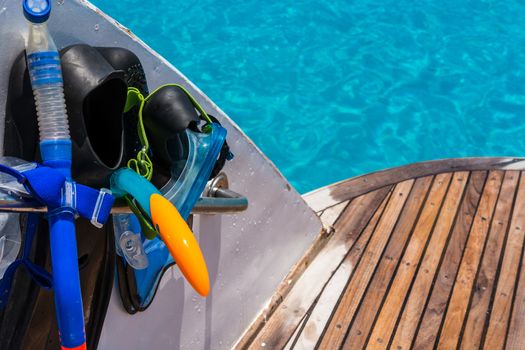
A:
55	148
167	222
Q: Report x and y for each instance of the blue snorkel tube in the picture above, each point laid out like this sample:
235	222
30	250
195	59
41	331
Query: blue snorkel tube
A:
45	72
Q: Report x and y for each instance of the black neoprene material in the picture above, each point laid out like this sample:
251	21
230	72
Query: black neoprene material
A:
95	96
21	128
95	88
126	61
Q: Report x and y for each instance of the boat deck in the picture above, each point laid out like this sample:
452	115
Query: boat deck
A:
418	257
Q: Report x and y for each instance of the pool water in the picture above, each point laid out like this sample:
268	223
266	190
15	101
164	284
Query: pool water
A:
330	89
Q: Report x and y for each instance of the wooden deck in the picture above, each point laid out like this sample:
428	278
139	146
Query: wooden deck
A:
419	257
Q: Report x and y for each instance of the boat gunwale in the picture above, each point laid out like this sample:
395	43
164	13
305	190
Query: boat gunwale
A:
333	194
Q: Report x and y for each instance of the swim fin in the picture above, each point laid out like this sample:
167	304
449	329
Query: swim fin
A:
95	96
95	88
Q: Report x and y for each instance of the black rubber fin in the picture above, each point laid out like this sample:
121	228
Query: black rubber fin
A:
95	96
21	128
126	61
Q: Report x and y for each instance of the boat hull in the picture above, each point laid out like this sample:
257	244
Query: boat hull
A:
247	254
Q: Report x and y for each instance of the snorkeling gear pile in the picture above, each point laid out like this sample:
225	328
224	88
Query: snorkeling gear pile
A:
155	152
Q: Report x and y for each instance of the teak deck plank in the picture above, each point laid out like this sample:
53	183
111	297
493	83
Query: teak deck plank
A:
353	258
366	267
516	330
349	227
393	303
472	335
436	305
362	322
457	306
423	281
500	315
433	259
333	289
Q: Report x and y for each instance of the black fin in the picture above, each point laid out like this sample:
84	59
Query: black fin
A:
95	91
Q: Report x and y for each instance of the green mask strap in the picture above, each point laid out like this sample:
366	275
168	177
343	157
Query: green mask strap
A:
142	164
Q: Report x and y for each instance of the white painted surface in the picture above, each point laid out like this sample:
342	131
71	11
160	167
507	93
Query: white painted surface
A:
331	214
322	311
320	198
247	254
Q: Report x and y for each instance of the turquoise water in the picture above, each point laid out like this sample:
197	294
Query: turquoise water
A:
333	89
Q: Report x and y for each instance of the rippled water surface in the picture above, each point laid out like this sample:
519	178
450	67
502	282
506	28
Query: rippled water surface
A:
335	88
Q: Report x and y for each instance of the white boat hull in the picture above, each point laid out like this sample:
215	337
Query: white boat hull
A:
247	254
